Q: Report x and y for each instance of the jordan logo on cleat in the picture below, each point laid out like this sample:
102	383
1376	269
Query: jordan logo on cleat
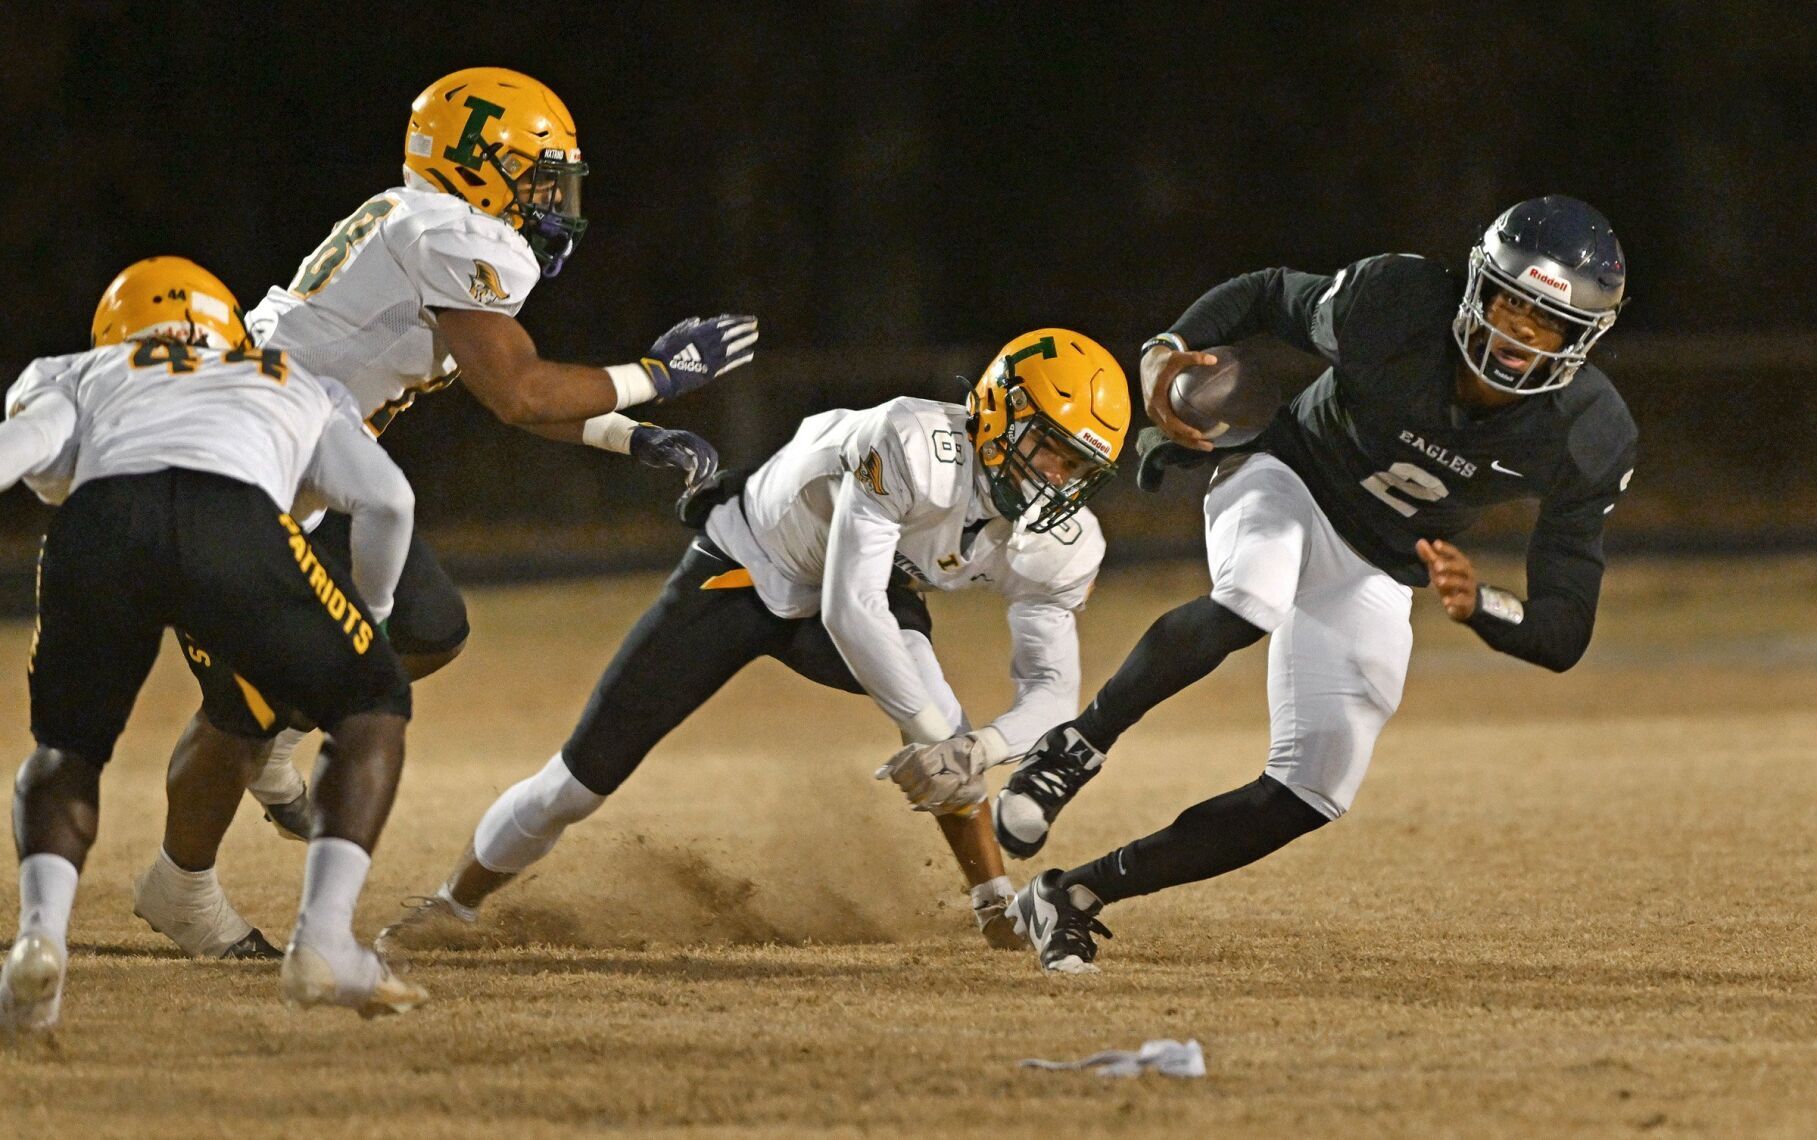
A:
688	360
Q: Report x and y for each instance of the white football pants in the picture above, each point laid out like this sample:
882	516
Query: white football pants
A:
1337	659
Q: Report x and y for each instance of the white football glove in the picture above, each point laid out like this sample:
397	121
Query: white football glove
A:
947	776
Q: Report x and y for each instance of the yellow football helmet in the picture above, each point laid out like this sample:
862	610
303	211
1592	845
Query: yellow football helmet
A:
505	144
1048	419
169	297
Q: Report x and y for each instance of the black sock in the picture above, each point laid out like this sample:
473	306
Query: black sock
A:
1183	644
1223	833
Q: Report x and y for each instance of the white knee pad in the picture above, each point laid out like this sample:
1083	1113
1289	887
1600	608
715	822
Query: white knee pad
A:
1254	555
524	824
1327	772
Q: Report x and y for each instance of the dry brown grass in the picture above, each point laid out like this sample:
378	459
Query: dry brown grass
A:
1563	905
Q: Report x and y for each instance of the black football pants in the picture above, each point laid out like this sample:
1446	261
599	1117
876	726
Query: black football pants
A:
128	555
707	624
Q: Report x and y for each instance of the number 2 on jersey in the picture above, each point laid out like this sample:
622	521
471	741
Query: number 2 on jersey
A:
320	267
1405	479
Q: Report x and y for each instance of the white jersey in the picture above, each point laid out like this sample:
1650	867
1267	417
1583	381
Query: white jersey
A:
254	416
359	307
150	405
859	494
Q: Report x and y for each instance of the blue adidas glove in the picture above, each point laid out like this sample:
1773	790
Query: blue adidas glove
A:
688	453
696	351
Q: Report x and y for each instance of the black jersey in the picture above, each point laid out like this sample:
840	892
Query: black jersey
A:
1391	457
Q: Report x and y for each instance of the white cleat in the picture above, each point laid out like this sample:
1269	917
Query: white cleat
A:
31	985
309	980
429	922
997	924
1000	932
198	919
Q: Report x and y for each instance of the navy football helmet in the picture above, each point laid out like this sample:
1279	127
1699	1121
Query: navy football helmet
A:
1558	255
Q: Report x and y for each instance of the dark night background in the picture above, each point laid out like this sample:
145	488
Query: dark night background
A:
897	188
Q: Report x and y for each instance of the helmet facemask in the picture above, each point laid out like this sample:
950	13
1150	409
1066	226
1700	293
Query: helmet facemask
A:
545	202
1018	485
1558	257
1478	339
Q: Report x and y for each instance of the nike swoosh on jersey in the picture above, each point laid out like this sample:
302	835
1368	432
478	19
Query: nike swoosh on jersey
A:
1496	464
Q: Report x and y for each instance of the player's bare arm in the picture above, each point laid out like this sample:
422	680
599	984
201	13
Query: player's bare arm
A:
500	365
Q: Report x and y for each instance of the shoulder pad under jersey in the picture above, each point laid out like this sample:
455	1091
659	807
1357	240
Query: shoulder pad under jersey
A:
461	258
1602	430
1060	564
46	373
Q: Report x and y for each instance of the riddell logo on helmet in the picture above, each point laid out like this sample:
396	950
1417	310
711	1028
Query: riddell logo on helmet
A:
1095	442
1552	285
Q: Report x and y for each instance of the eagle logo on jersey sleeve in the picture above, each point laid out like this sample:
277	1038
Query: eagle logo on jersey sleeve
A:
870	472
485	285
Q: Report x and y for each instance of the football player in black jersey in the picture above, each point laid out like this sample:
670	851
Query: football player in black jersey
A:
1440	400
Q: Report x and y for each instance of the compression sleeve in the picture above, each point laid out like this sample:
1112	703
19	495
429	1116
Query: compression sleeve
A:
861	550
351	473
1280	302
1564	579
33	436
1044	665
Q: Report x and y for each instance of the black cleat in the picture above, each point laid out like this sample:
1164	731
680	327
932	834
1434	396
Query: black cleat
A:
252	948
1057	925
1048	778
291	819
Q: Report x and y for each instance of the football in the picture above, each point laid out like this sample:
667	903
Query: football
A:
1228	401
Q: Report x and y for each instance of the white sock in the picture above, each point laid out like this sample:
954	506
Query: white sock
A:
47	893
277	780
192	885
523	825
334	873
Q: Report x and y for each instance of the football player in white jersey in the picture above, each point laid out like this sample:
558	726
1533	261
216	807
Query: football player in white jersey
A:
176	449
418	287
819	560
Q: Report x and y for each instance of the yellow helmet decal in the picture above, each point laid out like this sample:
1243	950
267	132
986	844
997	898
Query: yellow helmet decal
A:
466	150
169	296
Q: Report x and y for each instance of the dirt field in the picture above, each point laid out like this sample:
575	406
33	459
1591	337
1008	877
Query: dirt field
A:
1577	905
